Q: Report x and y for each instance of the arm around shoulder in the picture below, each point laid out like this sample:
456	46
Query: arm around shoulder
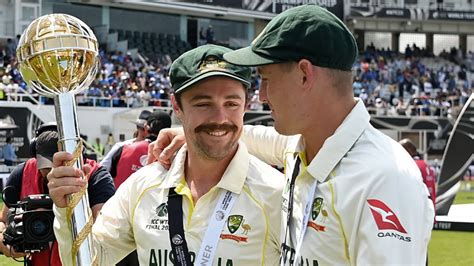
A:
265	143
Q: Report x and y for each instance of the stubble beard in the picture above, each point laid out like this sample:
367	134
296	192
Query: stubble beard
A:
209	151
212	153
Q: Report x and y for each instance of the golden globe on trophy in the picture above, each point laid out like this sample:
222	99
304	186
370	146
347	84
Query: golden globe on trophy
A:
58	57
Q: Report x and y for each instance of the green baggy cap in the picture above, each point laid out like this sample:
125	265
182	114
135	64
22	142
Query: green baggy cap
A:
204	62
304	32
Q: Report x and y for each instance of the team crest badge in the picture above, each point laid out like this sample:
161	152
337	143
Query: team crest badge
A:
318	208
212	63
234	222
162	210
317	205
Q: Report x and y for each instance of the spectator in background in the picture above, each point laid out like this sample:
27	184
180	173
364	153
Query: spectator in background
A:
210	34
139	135
11	48
129	97
255	104
401	106
427	172
131	157
408	51
9	155
145	97
380	107
18	36
9	87
3	95
357	86
202	36
364	96
110	141
99	147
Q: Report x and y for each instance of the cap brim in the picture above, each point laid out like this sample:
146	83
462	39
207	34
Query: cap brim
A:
247	57
139	122
43	162
211	74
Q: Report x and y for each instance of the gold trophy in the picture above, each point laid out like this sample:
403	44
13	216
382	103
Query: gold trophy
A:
58	57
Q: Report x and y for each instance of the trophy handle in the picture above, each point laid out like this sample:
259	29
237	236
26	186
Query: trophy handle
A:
78	210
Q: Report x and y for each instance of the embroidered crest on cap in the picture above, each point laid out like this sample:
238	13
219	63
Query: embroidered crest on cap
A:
212	63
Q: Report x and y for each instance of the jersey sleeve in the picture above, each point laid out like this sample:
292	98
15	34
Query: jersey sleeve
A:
107	161
101	187
112	232
12	188
265	143
387	222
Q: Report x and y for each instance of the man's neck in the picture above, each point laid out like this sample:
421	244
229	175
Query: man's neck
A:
202	174
324	127
141	135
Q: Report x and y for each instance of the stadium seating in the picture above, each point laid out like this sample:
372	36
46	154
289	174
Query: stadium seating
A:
152	44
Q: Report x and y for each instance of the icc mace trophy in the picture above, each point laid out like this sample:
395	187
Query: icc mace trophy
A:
58	57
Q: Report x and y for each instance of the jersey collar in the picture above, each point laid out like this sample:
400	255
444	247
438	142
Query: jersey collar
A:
234	176
337	145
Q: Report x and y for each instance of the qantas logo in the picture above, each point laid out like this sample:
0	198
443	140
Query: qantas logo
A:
384	216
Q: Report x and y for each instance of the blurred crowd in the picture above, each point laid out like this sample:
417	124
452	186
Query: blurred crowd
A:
120	82
413	83
124	82
390	83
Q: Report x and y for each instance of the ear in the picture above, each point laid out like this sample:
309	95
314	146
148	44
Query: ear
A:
307	73
178	112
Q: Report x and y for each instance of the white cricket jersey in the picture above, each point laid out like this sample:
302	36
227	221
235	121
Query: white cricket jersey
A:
370	205
136	216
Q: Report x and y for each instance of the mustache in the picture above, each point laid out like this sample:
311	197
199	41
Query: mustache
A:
215	127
